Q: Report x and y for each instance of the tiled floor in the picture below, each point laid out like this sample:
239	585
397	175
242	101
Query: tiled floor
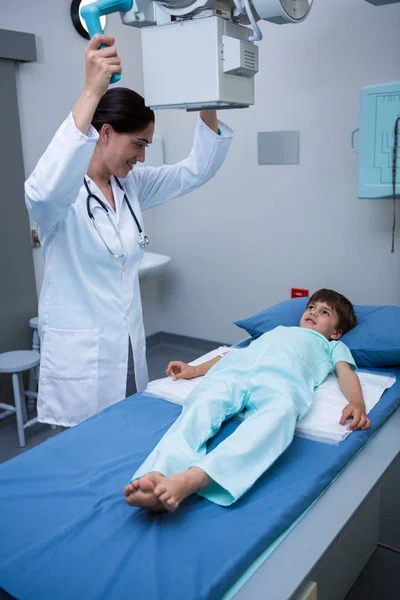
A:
380	580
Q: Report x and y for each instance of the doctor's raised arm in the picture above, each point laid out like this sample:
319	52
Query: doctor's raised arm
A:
87	199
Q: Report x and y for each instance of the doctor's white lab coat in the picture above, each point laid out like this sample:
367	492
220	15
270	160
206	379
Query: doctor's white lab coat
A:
90	304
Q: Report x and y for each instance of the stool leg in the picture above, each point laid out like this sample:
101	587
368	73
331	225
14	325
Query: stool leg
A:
35	341
18	408
23	399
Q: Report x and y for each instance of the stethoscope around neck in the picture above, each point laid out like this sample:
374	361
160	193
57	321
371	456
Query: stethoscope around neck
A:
143	240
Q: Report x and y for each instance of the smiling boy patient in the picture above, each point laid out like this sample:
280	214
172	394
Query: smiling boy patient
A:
272	381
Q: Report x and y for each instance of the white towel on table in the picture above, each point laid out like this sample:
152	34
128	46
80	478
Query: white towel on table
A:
321	423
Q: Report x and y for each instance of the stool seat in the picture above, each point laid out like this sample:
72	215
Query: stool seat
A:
18	361
34	322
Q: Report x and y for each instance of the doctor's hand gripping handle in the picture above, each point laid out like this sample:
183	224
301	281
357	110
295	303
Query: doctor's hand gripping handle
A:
91	13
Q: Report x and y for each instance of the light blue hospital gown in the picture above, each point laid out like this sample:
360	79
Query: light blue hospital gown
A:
273	381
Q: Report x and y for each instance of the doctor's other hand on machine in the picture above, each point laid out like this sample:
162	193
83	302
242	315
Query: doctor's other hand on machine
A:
87	200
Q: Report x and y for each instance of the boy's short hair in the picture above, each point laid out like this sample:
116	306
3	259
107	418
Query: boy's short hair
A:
339	303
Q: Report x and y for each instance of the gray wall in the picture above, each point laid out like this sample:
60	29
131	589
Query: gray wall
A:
18	295
17	289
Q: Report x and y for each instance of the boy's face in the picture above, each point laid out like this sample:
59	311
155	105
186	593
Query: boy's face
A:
321	318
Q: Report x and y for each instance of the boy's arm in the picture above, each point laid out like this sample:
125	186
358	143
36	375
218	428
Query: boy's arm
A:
350	386
205	367
180	370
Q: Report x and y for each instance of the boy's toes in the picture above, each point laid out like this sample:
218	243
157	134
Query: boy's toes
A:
156	477
129	489
164	497
159	490
146	484
171	504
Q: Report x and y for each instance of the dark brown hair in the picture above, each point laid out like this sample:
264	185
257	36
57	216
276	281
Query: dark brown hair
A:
124	110
342	306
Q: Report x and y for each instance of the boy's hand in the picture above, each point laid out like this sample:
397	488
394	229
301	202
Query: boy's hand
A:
357	414
180	370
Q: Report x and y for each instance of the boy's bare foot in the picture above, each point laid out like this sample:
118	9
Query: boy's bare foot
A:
171	491
141	492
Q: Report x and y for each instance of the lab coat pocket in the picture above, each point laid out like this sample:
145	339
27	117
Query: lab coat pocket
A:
70	354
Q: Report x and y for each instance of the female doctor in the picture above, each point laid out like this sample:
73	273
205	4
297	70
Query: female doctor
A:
87	200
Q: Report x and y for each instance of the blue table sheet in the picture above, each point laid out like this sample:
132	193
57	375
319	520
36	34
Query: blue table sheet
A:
67	533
